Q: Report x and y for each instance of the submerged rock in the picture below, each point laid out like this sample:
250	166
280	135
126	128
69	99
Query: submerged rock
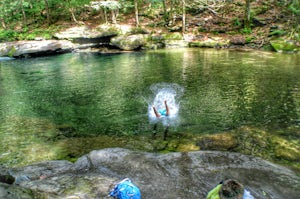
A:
174	175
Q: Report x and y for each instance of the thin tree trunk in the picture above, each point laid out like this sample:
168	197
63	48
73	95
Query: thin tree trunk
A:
247	15
3	23
105	16
73	15
48	12
171	13
136	13
72	12
23	13
183	16
113	17
165	11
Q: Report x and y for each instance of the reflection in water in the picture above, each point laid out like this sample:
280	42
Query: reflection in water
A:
84	95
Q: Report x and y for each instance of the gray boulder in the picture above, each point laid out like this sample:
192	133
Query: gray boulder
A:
185	175
35	48
87	33
129	42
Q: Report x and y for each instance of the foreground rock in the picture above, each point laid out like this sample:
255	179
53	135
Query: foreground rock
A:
174	175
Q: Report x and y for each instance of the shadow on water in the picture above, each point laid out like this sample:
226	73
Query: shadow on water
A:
61	107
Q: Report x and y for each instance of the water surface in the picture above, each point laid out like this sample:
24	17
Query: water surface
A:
47	103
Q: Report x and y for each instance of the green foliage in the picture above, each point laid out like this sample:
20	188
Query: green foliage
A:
295	9
26	34
173	36
127	6
277	32
138	30
281	45
249	39
8	35
246	30
237	22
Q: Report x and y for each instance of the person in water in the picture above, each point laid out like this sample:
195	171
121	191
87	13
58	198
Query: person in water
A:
162	112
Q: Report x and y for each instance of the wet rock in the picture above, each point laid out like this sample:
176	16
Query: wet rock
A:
173	175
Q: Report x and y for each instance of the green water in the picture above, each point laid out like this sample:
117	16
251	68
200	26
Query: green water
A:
50	106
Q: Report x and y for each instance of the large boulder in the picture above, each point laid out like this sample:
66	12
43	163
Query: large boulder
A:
35	48
87	32
89	37
129	42
183	175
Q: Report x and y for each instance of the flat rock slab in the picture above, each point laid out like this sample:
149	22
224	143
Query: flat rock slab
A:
29	48
185	175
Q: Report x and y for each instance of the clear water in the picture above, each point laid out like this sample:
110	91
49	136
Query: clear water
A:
88	95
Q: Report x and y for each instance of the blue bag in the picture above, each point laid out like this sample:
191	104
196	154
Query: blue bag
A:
125	190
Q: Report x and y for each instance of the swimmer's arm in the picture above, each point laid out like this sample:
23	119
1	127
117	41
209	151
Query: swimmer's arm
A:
155	112
167	108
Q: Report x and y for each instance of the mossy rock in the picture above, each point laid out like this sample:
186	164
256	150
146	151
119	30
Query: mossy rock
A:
109	31
287	150
129	42
210	43
11	51
282	45
221	141
173	36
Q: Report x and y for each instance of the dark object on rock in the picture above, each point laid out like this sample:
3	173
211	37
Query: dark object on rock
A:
231	189
7	179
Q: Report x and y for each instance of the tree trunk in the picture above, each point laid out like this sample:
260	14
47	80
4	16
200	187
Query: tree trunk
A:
171	15
113	17
48	12
105	16
72	12
73	15
247	15
136	13
3	23
183	16
23	13
166	18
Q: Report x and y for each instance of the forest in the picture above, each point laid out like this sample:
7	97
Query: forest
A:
28	19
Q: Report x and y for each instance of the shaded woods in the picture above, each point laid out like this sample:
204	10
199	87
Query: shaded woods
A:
28	19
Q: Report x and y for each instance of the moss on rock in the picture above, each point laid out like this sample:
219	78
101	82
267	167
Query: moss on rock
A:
282	45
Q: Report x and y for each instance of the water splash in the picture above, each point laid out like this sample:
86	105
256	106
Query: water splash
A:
170	92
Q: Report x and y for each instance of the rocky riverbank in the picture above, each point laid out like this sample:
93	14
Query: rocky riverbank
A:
111	39
174	175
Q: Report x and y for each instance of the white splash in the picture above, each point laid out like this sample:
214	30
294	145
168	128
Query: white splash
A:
169	93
